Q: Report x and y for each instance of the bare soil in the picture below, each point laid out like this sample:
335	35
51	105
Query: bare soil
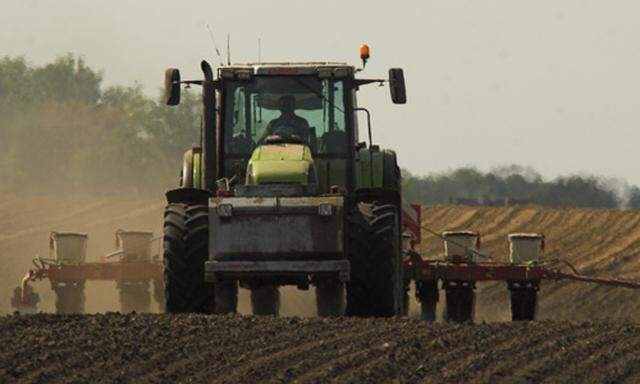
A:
231	349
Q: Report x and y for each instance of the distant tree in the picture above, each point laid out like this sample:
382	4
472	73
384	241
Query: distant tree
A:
579	192
528	173
15	82
634	198
179	126
518	186
67	78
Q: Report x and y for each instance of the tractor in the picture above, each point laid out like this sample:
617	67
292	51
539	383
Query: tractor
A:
282	191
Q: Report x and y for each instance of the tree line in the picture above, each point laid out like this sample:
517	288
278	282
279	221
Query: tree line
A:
62	131
518	185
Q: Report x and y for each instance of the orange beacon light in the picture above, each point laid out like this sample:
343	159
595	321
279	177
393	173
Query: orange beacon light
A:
364	54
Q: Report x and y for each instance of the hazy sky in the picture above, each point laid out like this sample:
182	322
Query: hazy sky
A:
550	84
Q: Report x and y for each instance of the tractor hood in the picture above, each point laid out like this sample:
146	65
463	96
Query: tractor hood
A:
283	163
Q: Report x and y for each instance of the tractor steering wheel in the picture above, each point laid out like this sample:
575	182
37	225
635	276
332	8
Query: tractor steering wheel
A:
284	134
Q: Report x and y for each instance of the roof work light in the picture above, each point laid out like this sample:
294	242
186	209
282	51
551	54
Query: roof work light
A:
364	54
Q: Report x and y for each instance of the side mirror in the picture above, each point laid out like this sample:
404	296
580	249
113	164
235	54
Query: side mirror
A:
396	86
172	86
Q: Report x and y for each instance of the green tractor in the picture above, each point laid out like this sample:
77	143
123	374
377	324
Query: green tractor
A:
282	192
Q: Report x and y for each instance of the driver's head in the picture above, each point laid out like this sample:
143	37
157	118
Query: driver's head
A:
287	104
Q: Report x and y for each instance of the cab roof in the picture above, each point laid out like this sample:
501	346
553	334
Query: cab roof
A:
287	68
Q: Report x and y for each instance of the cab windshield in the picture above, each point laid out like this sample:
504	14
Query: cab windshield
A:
302	109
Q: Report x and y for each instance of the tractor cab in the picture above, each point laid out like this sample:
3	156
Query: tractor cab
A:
287	123
297	119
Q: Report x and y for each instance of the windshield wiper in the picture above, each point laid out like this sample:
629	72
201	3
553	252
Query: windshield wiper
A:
320	95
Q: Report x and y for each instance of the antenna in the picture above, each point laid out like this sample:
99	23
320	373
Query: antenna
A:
259	50
215	46
228	49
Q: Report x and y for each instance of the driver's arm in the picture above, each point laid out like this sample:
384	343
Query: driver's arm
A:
302	126
268	131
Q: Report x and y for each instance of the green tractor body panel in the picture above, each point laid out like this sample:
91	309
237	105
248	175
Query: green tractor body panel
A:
369	168
284	163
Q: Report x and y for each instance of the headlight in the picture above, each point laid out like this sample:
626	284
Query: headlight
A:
325	209
225	210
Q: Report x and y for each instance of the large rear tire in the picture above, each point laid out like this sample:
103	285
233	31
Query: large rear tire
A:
376	284
330	298
265	300
186	239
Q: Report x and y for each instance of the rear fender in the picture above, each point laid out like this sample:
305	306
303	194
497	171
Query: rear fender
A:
377	176
375	168
191	175
379	195
188	196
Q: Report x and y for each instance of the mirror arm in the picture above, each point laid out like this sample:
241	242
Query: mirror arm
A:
192	82
365	110
360	82
215	83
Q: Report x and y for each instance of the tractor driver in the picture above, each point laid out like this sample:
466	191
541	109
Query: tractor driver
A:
288	124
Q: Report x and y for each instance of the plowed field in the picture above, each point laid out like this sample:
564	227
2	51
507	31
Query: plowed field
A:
191	348
159	348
